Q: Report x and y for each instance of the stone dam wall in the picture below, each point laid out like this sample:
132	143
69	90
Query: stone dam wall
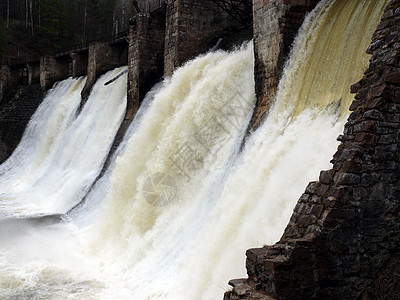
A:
15	112
158	41
275	25
342	240
344	235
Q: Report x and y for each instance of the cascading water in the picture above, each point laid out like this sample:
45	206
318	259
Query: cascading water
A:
170	176
61	152
83	212
180	206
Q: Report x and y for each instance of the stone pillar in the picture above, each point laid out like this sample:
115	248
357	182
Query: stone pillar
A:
145	61
33	70
343	239
98	51
30	73
275	23
79	63
46	63
191	28
52	69
102	57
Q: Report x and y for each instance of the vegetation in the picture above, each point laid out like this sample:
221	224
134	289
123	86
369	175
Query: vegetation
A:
38	27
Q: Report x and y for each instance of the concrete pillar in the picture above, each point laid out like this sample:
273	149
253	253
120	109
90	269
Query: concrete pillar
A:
145	60
97	52
276	23
45	71
33	72
187	36
30	73
53	69
102	57
79	63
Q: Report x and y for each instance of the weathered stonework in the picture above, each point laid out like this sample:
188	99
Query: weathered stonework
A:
11	78
345	228
102	57
276	23
52	70
4	77
15	113
33	72
79	63
145	61
192	26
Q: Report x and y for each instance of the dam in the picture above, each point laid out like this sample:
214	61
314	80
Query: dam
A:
157	159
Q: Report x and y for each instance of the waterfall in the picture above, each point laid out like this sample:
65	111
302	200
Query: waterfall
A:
62	153
177	209
83	213
170	176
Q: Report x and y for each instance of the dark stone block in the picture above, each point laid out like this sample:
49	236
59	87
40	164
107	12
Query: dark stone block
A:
367	138
393	77
373	114
326	177
312	187
365	126
350	166
354	105
316	210
304	198
369	179
374	103
387	139
305	220
323	188
346	178
237	282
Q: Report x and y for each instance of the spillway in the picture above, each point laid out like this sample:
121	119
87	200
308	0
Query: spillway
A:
181	203
62	152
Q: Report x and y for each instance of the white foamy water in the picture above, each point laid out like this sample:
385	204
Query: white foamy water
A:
61	153
188	136
174	214
83	213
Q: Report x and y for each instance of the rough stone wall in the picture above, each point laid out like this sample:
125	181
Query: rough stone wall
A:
276	23
345	228
10	79
386	286
145	61
192	26
102	57
15	113
52	70
33	69
98	51
79	63
4	77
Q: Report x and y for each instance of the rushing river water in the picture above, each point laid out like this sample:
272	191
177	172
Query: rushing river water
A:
180	203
